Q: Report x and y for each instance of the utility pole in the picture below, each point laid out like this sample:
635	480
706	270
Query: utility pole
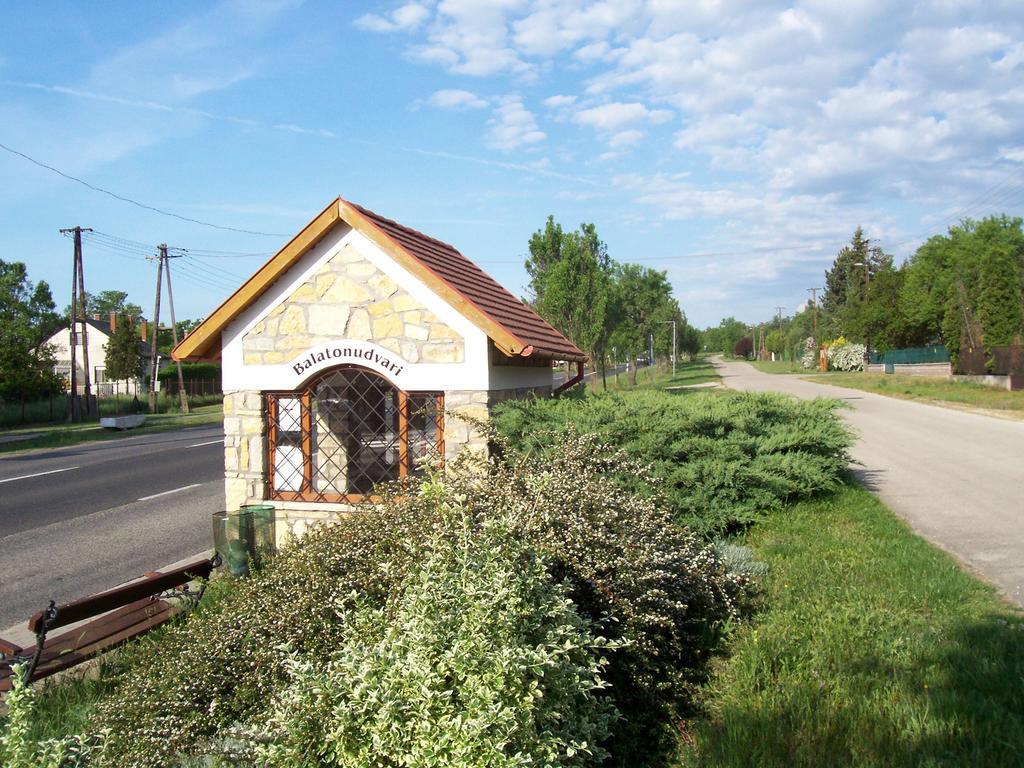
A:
156	326
78	307
182	395
814	303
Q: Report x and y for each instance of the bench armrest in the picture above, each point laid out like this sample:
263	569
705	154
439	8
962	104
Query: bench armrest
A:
9	649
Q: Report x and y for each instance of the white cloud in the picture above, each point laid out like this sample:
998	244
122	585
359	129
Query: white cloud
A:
403	19
625	138
456	100
512	125
556	102
618	115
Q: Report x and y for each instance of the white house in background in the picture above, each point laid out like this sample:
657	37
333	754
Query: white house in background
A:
359	351
98	334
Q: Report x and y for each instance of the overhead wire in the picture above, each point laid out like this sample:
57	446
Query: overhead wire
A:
136	203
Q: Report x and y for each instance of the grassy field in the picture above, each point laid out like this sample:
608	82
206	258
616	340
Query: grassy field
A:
778	366
687	373
928	389
73	434
873	649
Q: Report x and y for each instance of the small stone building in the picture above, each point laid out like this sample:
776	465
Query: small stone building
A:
353	355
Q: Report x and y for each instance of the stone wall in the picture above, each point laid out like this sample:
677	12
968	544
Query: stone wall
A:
349	298
244	447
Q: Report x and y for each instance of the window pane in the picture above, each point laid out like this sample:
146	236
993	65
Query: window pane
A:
356	432
423	429
288	446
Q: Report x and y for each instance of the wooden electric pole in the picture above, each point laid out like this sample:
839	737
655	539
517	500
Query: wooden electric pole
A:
182	395
156	327
814	303
78	314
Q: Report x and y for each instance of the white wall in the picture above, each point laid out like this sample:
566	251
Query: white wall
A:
472	373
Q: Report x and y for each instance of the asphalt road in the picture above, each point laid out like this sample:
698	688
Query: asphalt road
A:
75	521
956	477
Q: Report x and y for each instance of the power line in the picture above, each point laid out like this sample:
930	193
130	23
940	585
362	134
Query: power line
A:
136	203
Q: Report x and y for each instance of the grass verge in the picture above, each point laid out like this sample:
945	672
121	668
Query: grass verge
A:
961	393
778	366
73	434
874	648
687	373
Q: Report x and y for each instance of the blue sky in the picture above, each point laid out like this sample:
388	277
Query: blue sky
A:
734	144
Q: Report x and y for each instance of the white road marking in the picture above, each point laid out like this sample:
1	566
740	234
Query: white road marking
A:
37	474
165	493
208	442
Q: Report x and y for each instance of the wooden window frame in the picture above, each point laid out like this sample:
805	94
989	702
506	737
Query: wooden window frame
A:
305	398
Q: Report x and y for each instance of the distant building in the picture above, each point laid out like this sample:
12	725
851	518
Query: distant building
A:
98	334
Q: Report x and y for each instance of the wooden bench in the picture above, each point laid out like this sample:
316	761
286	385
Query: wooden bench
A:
117	616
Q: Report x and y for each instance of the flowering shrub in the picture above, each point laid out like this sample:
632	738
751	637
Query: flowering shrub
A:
809	359
657	593
480	661
846	356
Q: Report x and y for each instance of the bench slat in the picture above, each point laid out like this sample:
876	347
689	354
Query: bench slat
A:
77	610
99	642
8	648
109	624
67	660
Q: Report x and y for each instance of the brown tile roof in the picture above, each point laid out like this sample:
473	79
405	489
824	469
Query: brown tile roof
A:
515	329
489	296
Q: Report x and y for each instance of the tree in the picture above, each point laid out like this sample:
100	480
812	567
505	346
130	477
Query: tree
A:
1001	299
943	287
122	354
724	337
689	341
27	319
743	348
570	277
642	298
545	251
106	303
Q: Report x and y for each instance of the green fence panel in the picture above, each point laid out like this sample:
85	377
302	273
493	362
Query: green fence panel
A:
935	353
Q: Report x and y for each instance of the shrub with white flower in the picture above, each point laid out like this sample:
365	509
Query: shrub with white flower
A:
809	359
846	357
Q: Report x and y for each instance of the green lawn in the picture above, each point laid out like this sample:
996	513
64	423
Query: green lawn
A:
698	371
873	649
73	434
929	389
778	366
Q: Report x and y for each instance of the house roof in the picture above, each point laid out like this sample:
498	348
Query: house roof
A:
514	328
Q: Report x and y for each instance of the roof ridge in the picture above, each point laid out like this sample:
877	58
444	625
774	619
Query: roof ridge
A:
425	236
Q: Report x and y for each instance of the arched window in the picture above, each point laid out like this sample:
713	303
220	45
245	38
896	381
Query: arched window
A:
349	430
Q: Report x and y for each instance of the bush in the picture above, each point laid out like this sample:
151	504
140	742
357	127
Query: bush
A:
223	665
846	357
481	661
743	348
190	372
724	458
654	590
809	358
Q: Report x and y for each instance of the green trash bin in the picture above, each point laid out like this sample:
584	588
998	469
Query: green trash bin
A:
244	537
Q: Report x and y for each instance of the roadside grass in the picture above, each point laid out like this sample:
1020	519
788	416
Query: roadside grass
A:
873	648
778	366
73	434
688	373
927	389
